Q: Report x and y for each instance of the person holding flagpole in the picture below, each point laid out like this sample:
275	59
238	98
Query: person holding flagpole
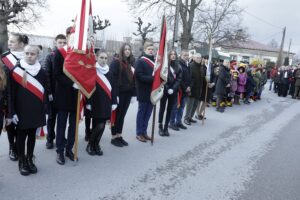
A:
100	104
170	93
16	45
65	105
144	80
28	91
123	76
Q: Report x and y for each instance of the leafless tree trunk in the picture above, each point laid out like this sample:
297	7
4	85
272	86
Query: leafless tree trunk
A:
19	13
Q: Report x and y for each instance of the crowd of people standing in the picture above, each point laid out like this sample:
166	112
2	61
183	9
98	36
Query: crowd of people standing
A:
29	90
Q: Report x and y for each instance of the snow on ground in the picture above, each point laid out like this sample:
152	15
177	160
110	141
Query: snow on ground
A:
208	162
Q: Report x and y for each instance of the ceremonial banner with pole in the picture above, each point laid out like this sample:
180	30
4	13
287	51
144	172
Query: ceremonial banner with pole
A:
80	61
160	72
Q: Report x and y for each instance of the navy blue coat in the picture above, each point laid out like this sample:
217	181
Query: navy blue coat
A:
144	79
186	76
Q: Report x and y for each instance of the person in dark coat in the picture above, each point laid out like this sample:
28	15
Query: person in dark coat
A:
100	104
297	82
144	79
197	78
65	102
3	96
60	42
28	105
16	44
222	84
123	76
249	87
170	93
285	75
184	92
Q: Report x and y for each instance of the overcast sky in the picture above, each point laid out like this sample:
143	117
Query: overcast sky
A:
278	13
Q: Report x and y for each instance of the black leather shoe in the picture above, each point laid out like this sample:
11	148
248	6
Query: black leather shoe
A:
90	150
31	166
23	167
60	158
122	141
70	155
174	127
49	144
187	122
192	120
181	126
99	152
13	153
116	142
166	132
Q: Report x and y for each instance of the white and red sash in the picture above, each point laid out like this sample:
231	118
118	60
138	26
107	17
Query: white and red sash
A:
148	61
63	51
173	72
33	85
9	59
104	83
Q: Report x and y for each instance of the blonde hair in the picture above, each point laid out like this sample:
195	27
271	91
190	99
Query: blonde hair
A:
148	44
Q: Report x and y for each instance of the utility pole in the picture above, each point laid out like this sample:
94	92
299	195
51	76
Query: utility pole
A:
175	33
280	56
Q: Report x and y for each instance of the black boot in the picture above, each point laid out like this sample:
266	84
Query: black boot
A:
161	131
98	150
31	166
166	131
13	152
23	168
90	149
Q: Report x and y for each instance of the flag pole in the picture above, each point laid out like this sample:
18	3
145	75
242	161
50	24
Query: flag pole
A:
153	125
205	101
77	127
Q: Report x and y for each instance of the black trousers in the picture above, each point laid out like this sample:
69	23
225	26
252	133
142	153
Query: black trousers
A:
162	107
124	101
1	121
51	122
283	90
11	134
97	130
28	134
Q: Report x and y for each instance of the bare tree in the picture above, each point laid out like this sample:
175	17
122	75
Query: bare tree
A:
220	21
100	24
143	32
167	7
18	13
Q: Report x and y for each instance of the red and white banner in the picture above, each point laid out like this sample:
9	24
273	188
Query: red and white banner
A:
104	83
80	61
41	132
9	59
160	71
33	85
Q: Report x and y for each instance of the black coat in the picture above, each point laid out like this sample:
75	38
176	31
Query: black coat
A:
223	80
144	79
173	82
65	96
250	84
29	108
121	78
186	76
100	102
197	78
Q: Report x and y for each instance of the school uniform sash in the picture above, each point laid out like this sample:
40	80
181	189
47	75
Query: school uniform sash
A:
9	59
104	83
33	85
148	61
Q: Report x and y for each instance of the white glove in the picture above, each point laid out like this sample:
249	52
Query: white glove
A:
88	106
170	91
50	97
117	100
114	107
8	122
75	86
133	99
15	119
228	85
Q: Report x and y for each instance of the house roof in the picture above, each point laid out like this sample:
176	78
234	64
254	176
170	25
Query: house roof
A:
251	45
